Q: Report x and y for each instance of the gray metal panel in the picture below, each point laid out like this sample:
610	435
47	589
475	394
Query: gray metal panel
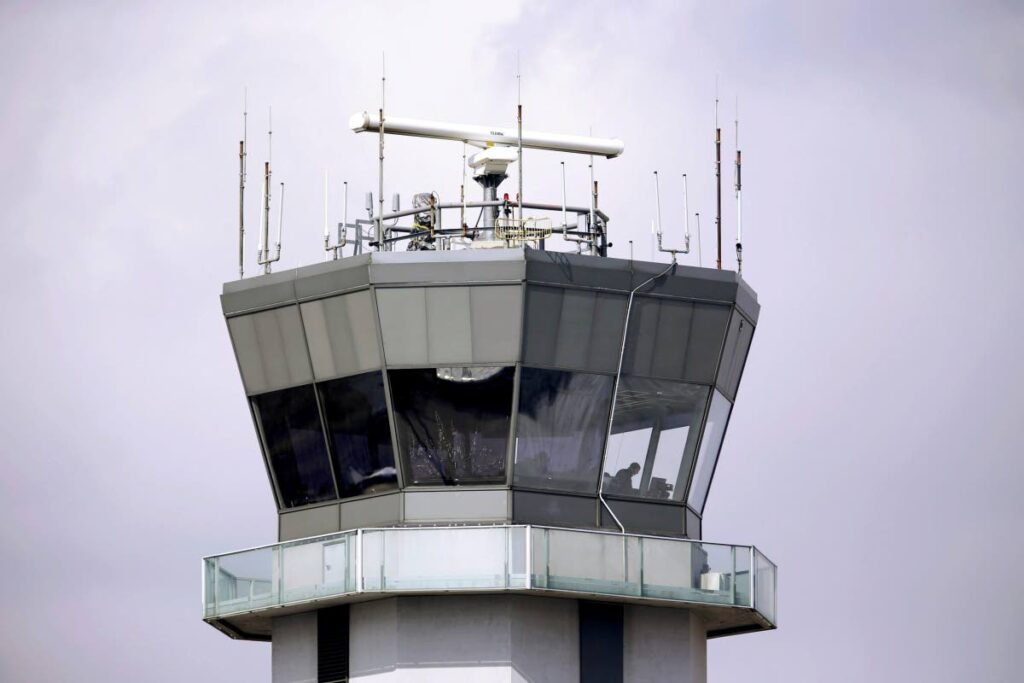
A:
324	279
342	334
606	332
449	332
543	311
255	293
308	522
497	314
707	334
746	301
476	265
456	506
560	268
647	518
734	355
403	324
369	512
675	339
693	524
271	349
529	507
456	325
576	329
293	648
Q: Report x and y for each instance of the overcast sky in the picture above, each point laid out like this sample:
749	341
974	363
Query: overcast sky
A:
875	452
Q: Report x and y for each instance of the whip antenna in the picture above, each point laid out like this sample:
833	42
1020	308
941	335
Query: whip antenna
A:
739	196
519	117
718	179
241	184
380	168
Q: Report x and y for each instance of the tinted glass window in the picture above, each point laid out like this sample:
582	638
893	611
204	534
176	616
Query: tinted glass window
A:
563	417
675	339
714	430
453	423
654	437
294	440
357	426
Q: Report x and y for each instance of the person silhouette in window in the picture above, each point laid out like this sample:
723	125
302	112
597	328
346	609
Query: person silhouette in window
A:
622	482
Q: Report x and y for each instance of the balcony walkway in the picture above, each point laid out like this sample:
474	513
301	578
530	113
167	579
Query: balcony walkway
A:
732	587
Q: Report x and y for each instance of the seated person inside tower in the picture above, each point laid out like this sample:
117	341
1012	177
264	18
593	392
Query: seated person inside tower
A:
622	482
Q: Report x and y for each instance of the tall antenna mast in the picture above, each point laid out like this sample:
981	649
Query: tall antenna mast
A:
241	184
462	192
264	250
739	196
519	117
380	170
718	179
592	225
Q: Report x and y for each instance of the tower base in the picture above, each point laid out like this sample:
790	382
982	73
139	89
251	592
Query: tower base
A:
489	639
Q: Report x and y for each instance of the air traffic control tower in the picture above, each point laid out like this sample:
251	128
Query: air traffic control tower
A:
490	464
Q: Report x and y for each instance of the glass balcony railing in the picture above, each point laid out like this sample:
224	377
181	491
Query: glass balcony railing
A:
488	559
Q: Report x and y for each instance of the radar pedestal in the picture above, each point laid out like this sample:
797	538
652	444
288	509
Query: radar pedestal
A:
459	496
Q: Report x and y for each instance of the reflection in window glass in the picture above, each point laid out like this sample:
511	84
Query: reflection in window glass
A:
718	417
562	421
654	436
294	440
453	423
357	426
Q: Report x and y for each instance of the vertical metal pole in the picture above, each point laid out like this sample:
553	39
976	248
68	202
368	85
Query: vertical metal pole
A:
241	209
592	226
343	230
739	197
327	225
565	219
265	232
753	579
718	183
280	574
280	225
519	118
462	192
359	560
216	584
657	199
241	186
686	214
700	260
528	554
734	577
380	168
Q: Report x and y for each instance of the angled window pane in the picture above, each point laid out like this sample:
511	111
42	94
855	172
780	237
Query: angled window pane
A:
710	445
294	440
674	339
360	436
453	423
563	417
654	437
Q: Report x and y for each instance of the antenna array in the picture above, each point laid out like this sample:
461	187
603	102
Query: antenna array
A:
426	231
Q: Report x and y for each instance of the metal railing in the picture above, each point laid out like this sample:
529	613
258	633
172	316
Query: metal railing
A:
488	559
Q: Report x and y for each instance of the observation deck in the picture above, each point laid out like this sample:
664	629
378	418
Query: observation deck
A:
731	587
476	386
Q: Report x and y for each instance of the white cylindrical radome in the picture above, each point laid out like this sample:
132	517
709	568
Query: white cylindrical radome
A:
484	136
